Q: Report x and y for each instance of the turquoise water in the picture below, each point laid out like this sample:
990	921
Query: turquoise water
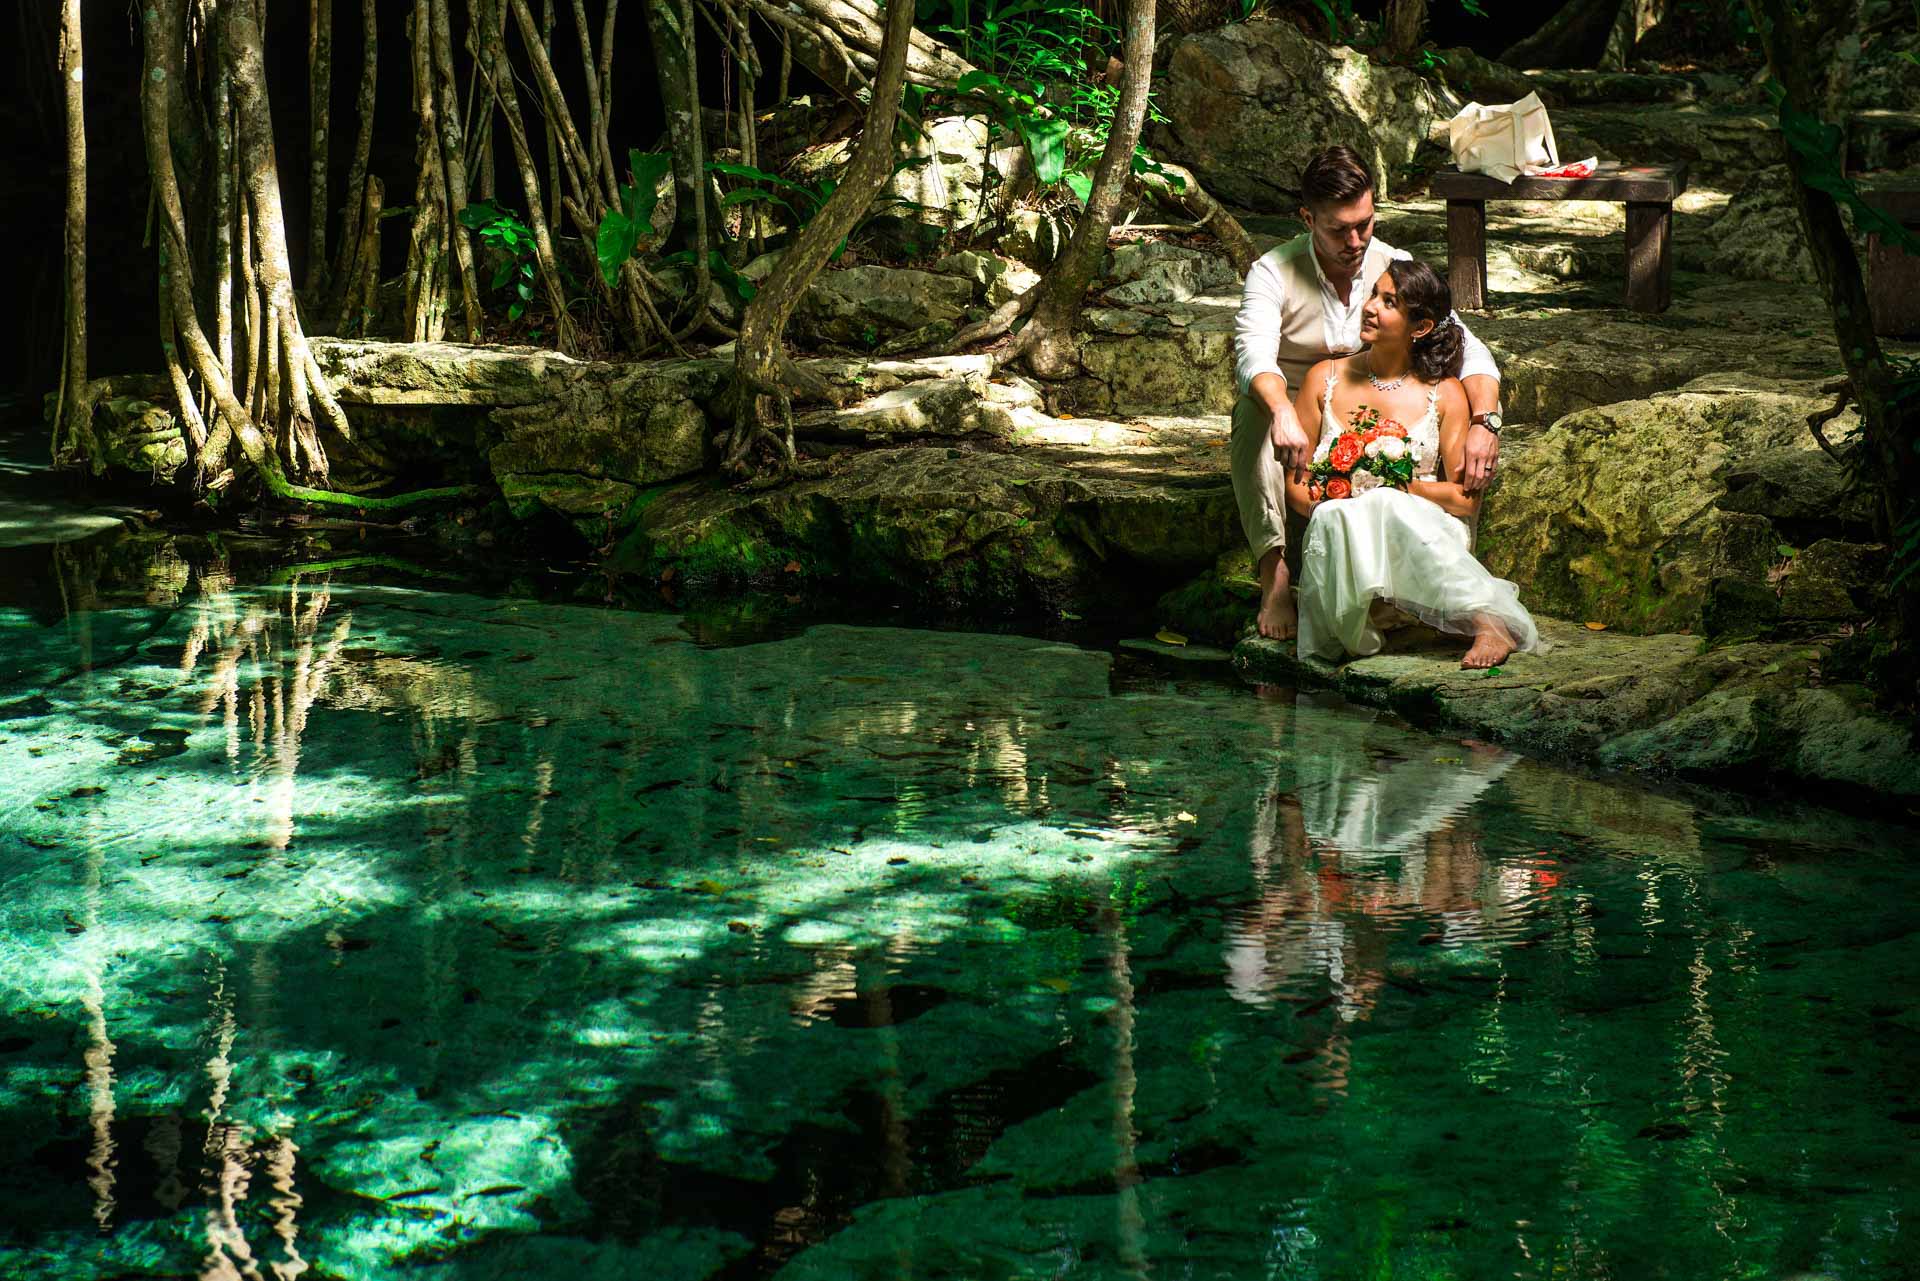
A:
364	931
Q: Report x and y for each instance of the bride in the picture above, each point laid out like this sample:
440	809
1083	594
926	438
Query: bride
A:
1409	548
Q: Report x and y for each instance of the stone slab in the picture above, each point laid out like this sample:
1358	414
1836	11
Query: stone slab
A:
1660	705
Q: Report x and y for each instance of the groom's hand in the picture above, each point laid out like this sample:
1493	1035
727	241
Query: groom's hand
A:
1483	452
1290	445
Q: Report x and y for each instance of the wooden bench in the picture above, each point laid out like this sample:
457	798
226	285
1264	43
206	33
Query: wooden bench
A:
1648	191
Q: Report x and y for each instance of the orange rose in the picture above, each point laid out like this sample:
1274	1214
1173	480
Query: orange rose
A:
1392	427
1346	451
1338	487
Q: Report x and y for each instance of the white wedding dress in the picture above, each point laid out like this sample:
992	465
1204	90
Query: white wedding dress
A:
1388	544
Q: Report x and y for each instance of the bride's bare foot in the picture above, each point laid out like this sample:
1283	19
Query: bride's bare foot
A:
1491	647
1277	619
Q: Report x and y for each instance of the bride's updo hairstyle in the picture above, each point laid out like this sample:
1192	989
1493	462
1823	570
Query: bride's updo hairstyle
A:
1424	295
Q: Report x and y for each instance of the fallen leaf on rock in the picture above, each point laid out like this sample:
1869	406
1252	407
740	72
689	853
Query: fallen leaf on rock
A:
791	567
1596	627
1185	817
1166	637
666	575
1058	985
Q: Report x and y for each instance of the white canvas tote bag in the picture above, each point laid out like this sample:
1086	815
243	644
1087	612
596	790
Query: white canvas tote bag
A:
1503	141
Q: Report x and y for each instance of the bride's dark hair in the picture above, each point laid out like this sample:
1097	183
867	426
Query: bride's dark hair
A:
1424	295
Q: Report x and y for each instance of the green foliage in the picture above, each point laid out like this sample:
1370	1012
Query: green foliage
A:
503	229
621	229
1338	15
1044	135
1036	79
1821	150
735	283
804	201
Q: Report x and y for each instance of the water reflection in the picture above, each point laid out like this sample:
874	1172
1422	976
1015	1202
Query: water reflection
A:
365	931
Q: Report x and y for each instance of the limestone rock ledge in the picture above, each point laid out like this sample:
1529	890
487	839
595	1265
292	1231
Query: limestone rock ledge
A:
970	529
1748	713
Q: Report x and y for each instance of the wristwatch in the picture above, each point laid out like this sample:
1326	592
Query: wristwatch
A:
1491	420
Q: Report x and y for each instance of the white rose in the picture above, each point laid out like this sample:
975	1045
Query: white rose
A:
1362	481
1391	448
1373	449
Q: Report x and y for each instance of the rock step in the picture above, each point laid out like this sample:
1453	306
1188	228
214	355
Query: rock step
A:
1652	704
1589	88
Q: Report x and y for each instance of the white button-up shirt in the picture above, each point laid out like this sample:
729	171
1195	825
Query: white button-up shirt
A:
1291	318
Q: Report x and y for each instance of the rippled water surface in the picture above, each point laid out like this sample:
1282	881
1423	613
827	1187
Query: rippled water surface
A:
353	931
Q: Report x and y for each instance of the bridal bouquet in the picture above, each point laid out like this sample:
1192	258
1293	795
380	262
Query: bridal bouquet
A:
1372	452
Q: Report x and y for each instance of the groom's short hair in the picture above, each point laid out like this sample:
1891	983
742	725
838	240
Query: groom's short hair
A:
1334	176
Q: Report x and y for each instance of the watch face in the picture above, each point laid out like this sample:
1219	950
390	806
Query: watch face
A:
1494	421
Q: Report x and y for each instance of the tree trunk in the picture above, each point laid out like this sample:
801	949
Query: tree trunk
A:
1203	209
764	379
73	412
1794	44
500	83
1406	25
351	234
1046	344
453	152
319	121
427	249
304	387
679	96
596	122
1574	37
844	64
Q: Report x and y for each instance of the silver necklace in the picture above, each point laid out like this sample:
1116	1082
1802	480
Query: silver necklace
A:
1386	386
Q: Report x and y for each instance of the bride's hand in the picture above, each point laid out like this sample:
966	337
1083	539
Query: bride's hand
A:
1289	442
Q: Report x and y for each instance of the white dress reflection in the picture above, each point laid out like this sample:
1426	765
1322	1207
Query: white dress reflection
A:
1368	840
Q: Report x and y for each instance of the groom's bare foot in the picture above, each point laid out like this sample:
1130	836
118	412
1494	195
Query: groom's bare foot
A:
1490	648
1277	619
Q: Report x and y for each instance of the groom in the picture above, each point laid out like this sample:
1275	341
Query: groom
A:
1301	305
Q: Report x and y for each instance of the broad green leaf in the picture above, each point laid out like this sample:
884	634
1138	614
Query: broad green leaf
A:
615	244
649	167
979	82
1080	184
478	214
501	276
1046	141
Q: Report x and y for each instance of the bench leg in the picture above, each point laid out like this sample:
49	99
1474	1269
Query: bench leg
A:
1467	253
1649	255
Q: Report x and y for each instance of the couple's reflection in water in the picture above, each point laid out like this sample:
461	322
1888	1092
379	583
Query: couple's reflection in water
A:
1374	841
